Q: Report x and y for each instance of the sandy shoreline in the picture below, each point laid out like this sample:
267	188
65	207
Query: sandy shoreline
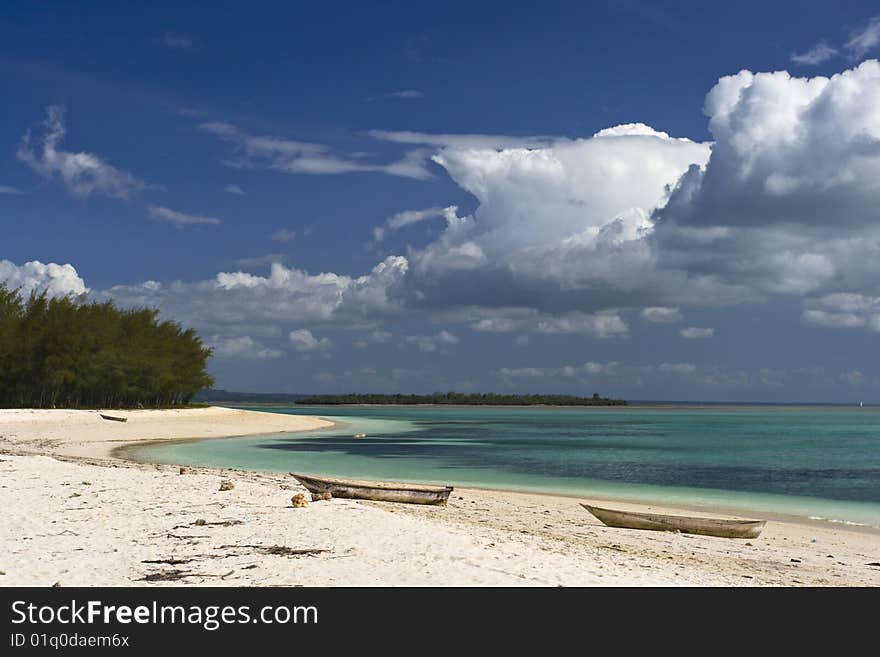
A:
84	434
77	515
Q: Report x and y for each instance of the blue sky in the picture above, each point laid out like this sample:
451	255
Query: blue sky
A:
720	246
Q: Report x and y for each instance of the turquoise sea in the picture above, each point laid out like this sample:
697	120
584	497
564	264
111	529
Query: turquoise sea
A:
819	462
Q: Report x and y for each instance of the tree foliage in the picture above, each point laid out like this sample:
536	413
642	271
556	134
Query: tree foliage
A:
465	399
64	353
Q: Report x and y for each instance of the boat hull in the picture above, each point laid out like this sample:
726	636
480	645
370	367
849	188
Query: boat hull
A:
685	524
113	418
375	491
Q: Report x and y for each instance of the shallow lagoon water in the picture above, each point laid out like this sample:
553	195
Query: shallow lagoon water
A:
815	462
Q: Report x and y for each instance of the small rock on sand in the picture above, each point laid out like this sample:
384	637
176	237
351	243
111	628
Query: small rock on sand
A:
226	484
299	501
317	497
185	470
201	522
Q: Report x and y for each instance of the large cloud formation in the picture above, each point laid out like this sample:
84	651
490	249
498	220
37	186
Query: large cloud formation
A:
788	202
569	235
559	228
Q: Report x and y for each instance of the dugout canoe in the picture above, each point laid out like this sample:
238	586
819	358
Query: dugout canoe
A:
721	527
376	491
113	418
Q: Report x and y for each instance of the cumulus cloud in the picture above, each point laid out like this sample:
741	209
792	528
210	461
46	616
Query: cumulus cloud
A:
558	227
233	189
694	333
787	203
816	55
567	235
244	347
299	157
661	315
430	343
238	302
53	279
180	219
304	340
83	174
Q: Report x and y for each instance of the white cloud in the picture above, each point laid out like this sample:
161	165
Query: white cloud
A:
864	39
261	261
284	235
603	324
82	173
7	189
833	320
241	303
407	94
234	189
585	370
559	226
53	279
819	53
244	347
460	141
852	378
373	337
694	333
325	377
180	219
787	204
677	368
661	315
303	340
176	41
630	130
843	310
430	343
782	202
298	157
409	217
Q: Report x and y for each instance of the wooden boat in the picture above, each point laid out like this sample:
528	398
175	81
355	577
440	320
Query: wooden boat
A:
684	524
380	492
113	418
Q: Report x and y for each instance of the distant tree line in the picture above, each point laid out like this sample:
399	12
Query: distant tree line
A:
215	395
65	353
465	399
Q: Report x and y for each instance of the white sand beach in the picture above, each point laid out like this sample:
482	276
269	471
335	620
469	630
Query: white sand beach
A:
75	514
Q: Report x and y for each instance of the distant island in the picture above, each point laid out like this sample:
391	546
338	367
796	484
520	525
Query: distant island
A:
463	399
213	395
437	398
